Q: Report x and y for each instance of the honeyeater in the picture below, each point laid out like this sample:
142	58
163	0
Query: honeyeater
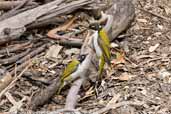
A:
101	45
71	68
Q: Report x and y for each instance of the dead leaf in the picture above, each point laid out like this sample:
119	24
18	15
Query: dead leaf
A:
167	10
114	45
125	77
53	52
5	81
113	100
165	75
142	20
120	58
153	48
160	26
71	51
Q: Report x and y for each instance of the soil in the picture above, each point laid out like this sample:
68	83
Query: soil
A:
143	75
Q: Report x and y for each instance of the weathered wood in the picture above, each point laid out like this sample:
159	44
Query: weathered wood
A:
123	12
6	5
14	27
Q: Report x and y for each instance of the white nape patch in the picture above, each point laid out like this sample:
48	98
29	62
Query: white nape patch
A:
82	68
96	45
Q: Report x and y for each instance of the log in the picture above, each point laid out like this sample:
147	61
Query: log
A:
15	26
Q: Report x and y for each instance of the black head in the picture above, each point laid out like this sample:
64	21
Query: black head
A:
95	26
82	57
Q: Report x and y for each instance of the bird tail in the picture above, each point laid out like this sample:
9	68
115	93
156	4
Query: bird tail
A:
60	88
101	66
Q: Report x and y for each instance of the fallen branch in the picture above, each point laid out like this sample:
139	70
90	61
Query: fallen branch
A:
71	99
32	54
15	12
55	21
10	29
122	18
14	58
14	48
13	82
41	97
6	5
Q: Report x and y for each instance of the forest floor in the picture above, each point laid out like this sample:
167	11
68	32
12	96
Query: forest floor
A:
141	71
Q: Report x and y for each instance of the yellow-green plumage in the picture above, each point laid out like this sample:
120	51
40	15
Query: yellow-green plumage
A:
71	67
104	37
101	66
105	45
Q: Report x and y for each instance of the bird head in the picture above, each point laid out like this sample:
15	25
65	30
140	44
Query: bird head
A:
82	57
96	26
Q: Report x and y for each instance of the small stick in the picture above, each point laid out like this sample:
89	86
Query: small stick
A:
156	15
32	54
13	82
6	5
117	105
14	58
15	48
53	33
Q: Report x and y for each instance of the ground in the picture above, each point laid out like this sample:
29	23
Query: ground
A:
142	73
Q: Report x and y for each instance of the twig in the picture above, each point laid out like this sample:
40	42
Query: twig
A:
156	15
20	67
13	82
53	33
64	39
117	105
14	58
44	95
74	43
32	54
16	47
6	5
55	20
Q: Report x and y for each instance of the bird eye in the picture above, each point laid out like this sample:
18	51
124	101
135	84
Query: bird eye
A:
82	57
95	26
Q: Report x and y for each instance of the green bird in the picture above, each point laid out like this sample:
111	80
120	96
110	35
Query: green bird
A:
101	45
71	68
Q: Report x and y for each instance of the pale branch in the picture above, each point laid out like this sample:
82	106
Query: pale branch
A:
6	5
71	99
123	13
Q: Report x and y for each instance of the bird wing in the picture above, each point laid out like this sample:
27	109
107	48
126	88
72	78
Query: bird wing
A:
105	49
104	37
101	66
71	67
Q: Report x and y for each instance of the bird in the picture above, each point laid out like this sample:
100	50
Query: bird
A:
73	67
101	46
